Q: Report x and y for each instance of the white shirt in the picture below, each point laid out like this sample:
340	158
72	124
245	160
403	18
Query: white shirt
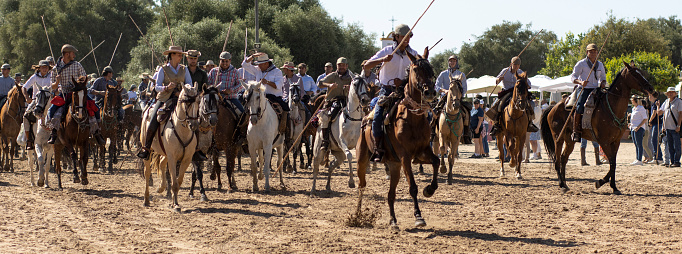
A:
37	82
671	108
272	74
245	76
394	68
582	69
160	76
308	83
509	79
638	116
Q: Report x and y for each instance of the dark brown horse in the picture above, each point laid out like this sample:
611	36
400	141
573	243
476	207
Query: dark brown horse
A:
74	133
110	126
132	121
408	137
608	123
11	116
224	140
512	134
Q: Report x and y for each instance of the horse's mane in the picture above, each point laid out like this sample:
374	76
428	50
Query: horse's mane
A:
424	65
616	79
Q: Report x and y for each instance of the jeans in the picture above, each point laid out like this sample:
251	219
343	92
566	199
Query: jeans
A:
583	144
653	142
278	100
638	137
379	116
484	139
237	104
673	146
580	104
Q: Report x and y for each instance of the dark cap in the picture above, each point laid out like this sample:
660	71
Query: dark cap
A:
68	48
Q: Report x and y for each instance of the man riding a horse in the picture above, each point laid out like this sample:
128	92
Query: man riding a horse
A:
169	81
392	78
337	84
580	74
99	89
225	77
65	72
267	74
508	78
6	84
39	80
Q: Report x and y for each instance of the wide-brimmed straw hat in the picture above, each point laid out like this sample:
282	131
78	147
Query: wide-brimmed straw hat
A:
288	65
193	53
42	63
209	62
145	75
174	49
671	89
262	59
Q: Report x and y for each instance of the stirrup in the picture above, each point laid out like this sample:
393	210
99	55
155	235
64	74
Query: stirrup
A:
377	156
575	137
199	156
532	128
29	145
143	153
53	137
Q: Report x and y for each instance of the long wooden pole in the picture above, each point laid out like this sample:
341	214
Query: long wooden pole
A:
48	37
279	167
563	129
93	54
168	26
434	45
227	36
246	45
93	50
115	48
148	42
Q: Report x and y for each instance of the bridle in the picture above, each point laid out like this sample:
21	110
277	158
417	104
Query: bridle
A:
259	112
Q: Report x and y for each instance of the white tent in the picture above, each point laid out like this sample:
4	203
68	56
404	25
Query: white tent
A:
561	84
486	84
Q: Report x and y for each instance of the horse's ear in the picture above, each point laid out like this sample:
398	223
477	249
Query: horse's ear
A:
204	87
627	65
459	77
412	57
426	53
244	84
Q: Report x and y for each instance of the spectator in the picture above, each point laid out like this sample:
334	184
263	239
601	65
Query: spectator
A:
672	114
477	120
637	127
655	122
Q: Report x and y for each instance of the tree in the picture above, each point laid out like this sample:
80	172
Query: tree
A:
671	29
562	55
493	50
440	60
658	70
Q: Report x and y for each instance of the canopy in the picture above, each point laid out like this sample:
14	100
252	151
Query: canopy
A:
486	84
561	84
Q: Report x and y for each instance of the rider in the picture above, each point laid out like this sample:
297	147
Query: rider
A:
143	89
443	81
169	80
391	76
198	75
99	89
132	95
265	71
337	84
508	78
40	79
63	74
6	84
228	84
289	79
581	71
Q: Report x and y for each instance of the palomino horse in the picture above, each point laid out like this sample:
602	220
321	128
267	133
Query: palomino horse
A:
450	125
345	131
175	143
208	113
513	134
74	133
110	129
407	138
298	121
262	134
11	117
608	123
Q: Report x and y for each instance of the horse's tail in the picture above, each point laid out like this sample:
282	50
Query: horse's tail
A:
547	137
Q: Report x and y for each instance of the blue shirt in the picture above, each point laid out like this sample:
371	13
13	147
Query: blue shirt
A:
475	114
6	84
443	81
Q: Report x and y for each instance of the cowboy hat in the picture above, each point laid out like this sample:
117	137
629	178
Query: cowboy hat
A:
68	48
144	75
671	89
42	63
174	49
209	62
288	65
262	59
193	53
225	55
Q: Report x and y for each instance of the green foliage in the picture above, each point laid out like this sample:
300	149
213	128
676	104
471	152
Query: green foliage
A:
626	36
493	50
440	60
658	70
671	29
562	55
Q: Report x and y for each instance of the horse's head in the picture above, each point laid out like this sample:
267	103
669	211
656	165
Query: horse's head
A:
43	96
421	78
209	105
520	91
112	100
455	92
295	93
254	95
188	106
359	86
79	100
636	79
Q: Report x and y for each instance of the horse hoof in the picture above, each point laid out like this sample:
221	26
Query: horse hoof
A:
76	180
84	181
261	176
283	187
351	185
177	209
204	198
394	225
443	170
564	189
519	177
420	223
191	196
220	187
41	183
146	204
617	192
598	184
212	177
449	181
428	191
102	171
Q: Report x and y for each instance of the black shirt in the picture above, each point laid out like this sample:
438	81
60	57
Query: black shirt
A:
200	77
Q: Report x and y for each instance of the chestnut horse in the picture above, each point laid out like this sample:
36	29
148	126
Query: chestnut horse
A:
74	133
512	133
609	120
450	125
11	117
407	137
110	129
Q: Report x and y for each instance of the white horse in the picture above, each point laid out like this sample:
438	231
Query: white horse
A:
262	134
177	143
345	132
41	156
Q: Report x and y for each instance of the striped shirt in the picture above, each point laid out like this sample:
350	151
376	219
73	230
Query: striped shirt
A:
68	73
227	80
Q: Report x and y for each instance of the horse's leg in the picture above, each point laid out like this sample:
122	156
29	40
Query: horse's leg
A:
500	149
451	157
394	172
427	155
317	160
345	153
442	149
216	169
611	152
74	158
254	170
194	178
58	164
562	155
172	165
362	154
113	155
83	162
407	169
519	158
230	154
280	154
332	166
13	150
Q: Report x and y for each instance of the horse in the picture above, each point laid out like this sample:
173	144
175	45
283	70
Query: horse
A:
298	118
74	133
43	152
450	125
407	138
11	117
132	120
208	108
512	134
262	134
345	131
609	121
110	126
175	143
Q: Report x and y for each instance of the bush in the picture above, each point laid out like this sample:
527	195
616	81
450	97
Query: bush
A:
658	70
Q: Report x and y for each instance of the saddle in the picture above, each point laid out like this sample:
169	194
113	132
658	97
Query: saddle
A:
166	109
278	109
590	104
230	106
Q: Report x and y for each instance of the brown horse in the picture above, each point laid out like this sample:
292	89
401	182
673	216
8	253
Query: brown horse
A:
512	134
407	137
608	123
110	126
450	126
11	117
74	133
132	120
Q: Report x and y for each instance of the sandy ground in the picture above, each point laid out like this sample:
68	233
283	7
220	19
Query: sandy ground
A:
479	213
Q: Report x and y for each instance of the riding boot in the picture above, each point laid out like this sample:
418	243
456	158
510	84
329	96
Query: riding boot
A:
199	156
378	149
583	162
577	127
325	138
151	130
53	136
242	126
94	131
283	122
531	117
596	157
29	140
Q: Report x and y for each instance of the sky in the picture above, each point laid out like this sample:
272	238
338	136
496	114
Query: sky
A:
459	22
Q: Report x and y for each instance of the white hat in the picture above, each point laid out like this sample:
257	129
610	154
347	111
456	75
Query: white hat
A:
671	89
